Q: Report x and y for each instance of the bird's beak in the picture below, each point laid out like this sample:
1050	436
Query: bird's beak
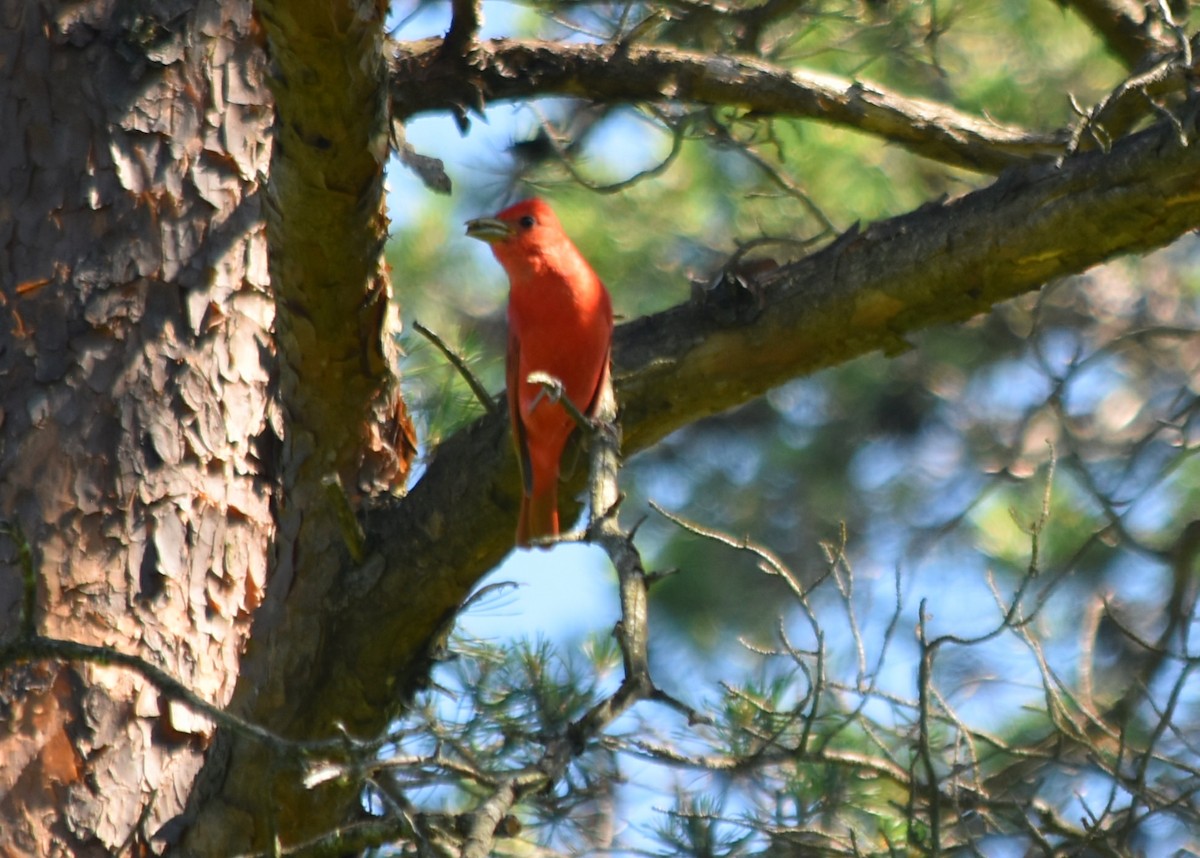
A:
489	229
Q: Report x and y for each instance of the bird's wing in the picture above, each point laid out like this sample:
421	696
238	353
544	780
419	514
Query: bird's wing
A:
512	372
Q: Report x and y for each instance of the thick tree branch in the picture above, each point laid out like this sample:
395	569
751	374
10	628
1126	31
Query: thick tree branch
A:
503	70
326	229
1125	26
473	834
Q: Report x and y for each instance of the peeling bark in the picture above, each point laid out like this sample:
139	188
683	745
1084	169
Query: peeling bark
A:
347	433
135	351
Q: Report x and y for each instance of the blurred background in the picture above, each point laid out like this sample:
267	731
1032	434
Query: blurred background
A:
1019	487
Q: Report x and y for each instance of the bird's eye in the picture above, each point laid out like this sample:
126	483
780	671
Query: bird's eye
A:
527	221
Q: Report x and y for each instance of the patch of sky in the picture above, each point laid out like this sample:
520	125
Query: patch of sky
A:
802	403
876	463
1059	349
1007	389
558	593
1091	383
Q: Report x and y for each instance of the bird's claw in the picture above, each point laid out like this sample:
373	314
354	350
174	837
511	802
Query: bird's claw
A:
551	388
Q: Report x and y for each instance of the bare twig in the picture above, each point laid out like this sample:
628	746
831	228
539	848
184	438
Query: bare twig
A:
924	751
782	181
482	825
1129	103
769	562
489	402
568	163
38	648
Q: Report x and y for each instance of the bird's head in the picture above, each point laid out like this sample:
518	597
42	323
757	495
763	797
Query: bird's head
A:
520	234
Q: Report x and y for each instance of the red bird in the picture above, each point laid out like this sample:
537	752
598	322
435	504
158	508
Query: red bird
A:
559	323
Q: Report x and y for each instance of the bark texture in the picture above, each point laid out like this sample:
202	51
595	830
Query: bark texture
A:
135	350
347	433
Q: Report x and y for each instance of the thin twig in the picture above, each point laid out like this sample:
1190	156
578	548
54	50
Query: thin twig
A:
565	159
924	750
39	648
490	403
632	632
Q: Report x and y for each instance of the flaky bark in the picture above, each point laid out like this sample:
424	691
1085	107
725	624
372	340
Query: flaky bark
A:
346	432
134	354
142	440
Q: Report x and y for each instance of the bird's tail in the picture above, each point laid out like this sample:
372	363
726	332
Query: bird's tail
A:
539	515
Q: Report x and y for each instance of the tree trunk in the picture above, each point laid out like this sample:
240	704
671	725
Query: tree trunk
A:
347	435
138	451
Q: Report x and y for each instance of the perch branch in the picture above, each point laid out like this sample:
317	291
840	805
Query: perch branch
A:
618	74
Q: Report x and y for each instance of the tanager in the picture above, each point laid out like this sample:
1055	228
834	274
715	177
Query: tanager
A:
559	323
